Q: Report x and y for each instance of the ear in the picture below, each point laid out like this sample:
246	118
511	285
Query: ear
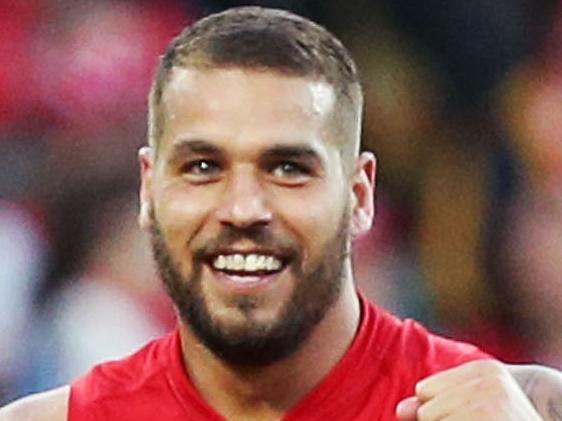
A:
363	194
146	162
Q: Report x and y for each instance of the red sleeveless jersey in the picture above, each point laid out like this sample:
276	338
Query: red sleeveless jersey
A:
382	366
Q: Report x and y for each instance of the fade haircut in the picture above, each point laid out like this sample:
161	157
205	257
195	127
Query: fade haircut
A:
262	39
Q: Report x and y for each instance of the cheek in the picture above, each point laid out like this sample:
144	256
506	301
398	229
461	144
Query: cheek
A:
181	211
313	215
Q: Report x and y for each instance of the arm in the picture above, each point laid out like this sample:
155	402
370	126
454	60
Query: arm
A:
543	387
47	406
486	389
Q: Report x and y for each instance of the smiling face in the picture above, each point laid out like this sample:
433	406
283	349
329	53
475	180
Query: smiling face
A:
249	208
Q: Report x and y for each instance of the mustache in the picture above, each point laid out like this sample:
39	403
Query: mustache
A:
261	236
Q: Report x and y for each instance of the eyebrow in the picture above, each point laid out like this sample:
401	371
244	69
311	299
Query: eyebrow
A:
292	152
184	147
194	146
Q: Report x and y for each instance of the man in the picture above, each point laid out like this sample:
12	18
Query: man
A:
252	188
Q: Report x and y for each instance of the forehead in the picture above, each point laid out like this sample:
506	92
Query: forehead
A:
232	102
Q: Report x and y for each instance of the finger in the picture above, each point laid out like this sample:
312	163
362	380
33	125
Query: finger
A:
407	409
484	397
445	380
456	401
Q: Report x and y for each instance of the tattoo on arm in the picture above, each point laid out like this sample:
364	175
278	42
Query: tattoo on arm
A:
555	409
543	387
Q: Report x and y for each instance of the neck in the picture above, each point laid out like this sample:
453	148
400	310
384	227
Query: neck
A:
268	392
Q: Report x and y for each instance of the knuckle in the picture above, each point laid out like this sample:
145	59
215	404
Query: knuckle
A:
497	387
491	367
487	412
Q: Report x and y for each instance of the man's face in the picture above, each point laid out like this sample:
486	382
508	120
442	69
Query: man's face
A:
249	208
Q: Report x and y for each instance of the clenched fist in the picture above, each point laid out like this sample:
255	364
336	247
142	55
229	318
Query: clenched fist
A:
479	391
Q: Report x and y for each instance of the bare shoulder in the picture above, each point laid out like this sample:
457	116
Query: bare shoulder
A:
46	406
543	386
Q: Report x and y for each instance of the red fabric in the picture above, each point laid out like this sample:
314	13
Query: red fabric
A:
18	20
381	367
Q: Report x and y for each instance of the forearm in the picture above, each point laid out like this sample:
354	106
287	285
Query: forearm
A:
543	387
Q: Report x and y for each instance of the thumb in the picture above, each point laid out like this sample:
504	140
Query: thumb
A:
407	409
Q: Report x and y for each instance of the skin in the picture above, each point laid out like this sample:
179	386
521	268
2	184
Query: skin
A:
235	111
46	406
486	390
254	184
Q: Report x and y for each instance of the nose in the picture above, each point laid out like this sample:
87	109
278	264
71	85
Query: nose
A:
243	203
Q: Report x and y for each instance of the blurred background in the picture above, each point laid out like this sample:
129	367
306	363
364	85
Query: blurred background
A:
464	112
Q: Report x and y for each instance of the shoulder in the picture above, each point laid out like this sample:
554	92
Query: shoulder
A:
420	350
151	358
46	406
440	352
411	336
116	381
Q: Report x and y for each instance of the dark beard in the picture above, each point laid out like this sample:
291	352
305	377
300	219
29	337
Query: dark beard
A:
316	291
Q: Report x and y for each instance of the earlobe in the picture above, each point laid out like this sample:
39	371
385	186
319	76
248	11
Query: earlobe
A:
361	222
145	193
144	215
363	191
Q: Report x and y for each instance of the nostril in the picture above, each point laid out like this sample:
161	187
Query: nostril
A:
245	213
250	229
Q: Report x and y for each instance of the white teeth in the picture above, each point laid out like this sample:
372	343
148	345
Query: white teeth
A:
220	262
238	262
246	263
271	263
251	263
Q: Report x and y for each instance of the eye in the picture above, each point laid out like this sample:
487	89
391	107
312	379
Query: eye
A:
290	170
201	168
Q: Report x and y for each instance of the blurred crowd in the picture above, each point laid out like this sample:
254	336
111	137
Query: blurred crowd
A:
464	112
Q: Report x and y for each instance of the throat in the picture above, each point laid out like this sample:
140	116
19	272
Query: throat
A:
269	392
235	392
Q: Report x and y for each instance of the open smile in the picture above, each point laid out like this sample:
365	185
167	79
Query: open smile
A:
243	271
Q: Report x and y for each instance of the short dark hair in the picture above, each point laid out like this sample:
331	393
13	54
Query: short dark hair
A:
262	39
